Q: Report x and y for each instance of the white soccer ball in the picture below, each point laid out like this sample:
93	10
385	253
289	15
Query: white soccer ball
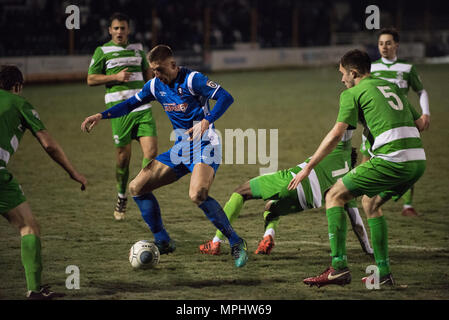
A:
144	254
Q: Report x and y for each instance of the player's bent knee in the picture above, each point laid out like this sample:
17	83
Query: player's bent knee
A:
244	190
268	206
199	196
337	195
134	188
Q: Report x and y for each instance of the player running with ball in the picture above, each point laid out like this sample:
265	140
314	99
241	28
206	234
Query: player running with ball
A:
184	95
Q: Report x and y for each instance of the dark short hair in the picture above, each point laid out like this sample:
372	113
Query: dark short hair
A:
118	16
160	53
391	31
358	60
10	75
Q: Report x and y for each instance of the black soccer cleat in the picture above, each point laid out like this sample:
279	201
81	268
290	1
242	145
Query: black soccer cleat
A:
165	247
44	293
386	280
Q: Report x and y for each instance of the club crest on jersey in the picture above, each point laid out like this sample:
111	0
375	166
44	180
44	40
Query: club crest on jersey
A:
180	91
211	84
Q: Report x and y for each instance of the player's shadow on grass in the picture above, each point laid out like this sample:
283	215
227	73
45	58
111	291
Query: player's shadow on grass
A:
112	287
198	284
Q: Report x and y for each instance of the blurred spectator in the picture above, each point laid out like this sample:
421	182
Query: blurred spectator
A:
37	27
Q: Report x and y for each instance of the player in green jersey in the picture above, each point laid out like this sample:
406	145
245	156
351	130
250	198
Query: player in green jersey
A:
123	68
17	115
392	126
404	75
309	194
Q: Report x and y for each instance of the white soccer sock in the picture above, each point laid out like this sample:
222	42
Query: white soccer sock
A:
217	239
122	195
406	206
270	232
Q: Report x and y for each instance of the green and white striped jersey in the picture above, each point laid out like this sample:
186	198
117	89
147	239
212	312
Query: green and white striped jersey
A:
325	174
111	58
16	115
388	119
400	72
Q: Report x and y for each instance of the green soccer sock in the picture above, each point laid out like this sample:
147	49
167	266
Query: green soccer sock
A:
121	176
408	197
379	238
337	229
145	162
232	209
32	261
272	224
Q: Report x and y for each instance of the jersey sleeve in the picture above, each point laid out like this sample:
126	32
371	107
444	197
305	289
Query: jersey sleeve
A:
146	94
31	119
348	112
415	80
202	86
97	63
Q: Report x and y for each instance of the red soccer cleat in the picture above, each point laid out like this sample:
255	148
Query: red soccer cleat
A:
210	247
265	245
409	212
330	276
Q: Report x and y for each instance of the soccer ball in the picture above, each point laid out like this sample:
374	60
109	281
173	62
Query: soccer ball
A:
143	255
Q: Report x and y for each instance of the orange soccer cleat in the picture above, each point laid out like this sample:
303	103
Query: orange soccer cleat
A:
210	247
265	245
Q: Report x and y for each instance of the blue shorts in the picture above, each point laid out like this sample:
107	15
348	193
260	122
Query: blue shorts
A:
184	155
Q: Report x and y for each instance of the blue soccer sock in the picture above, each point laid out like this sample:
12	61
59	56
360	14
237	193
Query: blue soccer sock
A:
216	215
151	214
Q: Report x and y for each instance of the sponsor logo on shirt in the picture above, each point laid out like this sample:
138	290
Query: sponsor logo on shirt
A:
169	107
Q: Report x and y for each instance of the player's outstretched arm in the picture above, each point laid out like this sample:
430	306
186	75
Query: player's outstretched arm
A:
55	151
90	122
327	145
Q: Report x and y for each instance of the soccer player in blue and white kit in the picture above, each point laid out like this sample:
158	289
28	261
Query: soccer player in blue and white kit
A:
184	95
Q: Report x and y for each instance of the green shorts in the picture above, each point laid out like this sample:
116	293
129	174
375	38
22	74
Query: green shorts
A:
11	194
384	178
132	126
274	186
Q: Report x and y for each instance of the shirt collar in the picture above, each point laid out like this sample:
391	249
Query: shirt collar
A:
386	61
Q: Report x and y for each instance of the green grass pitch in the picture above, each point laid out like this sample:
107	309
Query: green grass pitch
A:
78	227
